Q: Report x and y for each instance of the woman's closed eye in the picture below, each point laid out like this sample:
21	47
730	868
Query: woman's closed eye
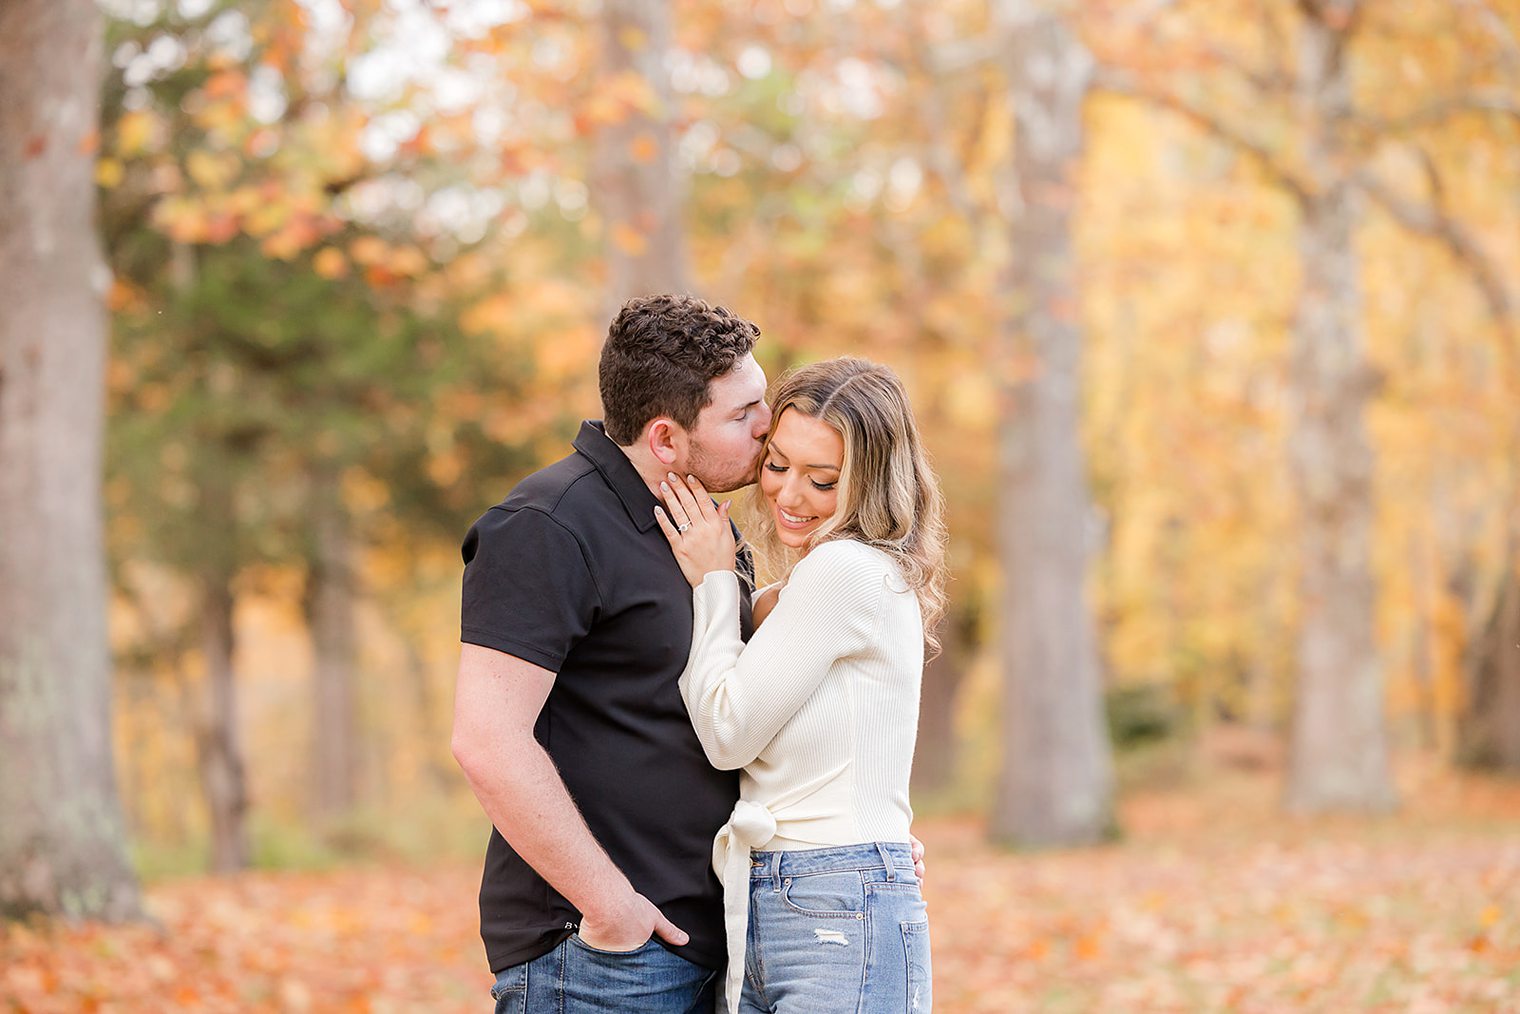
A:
820	486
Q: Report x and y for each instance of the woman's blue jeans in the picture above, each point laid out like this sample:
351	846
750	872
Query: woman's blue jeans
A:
836	930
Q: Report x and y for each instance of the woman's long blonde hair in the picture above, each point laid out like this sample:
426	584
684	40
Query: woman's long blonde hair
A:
889	496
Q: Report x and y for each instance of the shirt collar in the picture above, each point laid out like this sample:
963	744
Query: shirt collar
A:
625	480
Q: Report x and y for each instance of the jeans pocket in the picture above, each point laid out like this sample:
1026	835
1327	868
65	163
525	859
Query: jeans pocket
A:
575	939
511	990
915	937
838	895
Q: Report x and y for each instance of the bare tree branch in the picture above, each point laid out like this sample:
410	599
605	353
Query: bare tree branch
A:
1122	83
1269	77
1490	103
1496	26
1341	16
937	63
1277	44
1433	180
966	54
939	155
1270	80
1431	220
1143	15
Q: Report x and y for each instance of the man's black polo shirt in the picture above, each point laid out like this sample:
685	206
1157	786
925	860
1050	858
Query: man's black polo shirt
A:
572	573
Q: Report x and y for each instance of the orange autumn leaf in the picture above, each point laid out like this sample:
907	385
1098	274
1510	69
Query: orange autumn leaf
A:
330	263
643	148
367	250
633	39
109	173
226	84
629	240
134	132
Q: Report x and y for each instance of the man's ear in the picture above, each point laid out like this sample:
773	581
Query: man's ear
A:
666	440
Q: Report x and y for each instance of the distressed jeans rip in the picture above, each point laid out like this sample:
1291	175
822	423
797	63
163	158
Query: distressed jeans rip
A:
829	936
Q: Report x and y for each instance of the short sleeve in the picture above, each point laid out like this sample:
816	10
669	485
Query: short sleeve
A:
527	588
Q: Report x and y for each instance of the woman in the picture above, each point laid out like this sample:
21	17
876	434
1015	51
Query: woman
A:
820	708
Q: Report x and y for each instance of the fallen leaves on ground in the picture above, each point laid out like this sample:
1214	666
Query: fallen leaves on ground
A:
1211	902
1215	902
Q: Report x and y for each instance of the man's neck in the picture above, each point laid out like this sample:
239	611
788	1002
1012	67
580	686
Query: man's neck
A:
651	469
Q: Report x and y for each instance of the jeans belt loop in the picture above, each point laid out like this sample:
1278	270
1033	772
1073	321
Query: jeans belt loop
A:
776	871
886	860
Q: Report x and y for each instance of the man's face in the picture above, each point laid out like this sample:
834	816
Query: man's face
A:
726	440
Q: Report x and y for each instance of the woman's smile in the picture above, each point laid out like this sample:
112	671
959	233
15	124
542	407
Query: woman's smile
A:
792	521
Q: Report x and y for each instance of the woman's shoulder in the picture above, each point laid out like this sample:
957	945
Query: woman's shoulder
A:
845	559
848	578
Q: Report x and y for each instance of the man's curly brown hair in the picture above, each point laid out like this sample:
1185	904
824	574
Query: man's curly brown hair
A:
661	353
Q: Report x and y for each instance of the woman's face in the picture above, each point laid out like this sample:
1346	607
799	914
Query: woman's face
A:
799	475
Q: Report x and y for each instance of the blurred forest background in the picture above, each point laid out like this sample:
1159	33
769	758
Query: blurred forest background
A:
1209	312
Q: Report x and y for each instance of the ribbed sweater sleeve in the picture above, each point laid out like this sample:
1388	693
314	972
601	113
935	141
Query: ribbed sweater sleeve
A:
739	696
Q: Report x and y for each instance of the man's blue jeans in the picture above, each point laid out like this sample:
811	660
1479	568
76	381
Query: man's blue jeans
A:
575	978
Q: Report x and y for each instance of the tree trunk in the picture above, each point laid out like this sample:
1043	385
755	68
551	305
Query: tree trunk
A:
1339	747
635	181
62	843
330	613
218	748
1489	733
1056	782
440	774
1422	648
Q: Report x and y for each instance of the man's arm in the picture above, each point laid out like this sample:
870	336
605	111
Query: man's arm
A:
496	703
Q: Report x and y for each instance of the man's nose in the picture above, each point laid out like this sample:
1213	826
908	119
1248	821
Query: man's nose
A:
762	421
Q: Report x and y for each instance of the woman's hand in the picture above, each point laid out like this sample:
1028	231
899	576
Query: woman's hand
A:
699	532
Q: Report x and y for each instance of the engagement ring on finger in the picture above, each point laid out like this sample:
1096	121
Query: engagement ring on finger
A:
682	528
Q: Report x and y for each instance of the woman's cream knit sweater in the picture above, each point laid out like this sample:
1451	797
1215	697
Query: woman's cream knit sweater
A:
820	709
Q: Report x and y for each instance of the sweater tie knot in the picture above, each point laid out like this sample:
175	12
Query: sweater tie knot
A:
750	826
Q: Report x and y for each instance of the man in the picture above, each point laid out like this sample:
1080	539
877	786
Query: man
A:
597	893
